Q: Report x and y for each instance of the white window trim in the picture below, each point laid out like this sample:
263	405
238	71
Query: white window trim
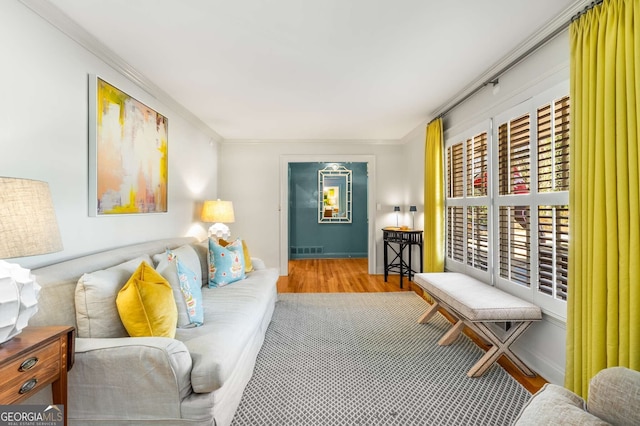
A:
453	265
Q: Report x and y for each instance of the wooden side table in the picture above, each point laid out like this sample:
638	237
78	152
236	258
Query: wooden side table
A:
33	359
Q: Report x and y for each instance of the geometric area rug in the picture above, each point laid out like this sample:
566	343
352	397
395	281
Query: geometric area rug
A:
363	359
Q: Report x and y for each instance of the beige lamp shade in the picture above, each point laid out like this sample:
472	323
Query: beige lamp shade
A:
218	211
28	224
28	227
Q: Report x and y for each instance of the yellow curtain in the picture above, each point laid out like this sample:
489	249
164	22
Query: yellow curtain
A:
603	309
434	199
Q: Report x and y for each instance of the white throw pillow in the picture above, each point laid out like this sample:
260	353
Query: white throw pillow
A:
96	292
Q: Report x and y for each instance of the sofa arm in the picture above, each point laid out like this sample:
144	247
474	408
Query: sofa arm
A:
614	396
258	263
112	378
555	405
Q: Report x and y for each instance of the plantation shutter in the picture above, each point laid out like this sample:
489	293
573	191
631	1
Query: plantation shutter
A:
455	189
515	244
455	164
553	176
455	233
553	250
477	176
477	237
553	146
514	156
514	166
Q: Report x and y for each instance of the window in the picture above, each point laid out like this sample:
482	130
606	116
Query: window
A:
455	233
477	237
553	177
468	201
455	179
509	223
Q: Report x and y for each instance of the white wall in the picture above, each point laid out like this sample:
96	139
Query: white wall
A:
543	69
44	136
250	177
414	144
542	347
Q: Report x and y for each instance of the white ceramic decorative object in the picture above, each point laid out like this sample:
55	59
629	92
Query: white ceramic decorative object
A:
18	299
219	230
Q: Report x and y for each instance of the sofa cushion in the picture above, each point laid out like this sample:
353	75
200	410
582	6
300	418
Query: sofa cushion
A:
187	294
614	394
95	300
476	300
233	315
226	264
202	250
146	304
555	405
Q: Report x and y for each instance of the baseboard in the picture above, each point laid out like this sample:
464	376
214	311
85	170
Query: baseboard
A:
541	364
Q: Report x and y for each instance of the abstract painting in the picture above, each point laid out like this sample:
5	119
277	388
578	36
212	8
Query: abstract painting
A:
128	154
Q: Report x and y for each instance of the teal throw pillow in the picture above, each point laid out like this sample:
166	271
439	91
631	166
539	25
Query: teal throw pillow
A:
226	264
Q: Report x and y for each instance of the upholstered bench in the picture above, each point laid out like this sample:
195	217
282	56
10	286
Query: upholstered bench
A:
477	305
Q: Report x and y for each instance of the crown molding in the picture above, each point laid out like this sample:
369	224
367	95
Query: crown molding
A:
315	141
75	32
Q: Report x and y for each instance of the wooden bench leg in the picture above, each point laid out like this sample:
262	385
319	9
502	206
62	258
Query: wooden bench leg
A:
451	335
481	367
430	312
499	348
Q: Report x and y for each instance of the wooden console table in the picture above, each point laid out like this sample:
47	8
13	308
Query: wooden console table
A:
403	238
33	359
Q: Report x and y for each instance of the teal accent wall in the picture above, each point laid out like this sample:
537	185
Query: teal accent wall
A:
309	239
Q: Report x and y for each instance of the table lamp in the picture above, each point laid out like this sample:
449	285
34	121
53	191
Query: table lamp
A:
220	212
397	209
28	227
413	211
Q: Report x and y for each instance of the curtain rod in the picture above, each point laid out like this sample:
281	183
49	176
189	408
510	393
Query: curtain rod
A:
586	9
494	78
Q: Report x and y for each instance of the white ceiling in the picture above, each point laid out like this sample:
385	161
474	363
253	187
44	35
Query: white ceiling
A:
304	69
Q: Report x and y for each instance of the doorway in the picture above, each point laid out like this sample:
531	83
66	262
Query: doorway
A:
286	160
327	222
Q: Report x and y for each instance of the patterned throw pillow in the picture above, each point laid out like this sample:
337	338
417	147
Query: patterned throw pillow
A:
187	295
226	264
248	265
192	293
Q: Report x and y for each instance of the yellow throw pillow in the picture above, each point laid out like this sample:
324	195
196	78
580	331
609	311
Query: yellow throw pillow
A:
248	266
146	304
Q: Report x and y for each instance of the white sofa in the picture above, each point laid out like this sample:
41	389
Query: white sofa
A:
614	399
195	379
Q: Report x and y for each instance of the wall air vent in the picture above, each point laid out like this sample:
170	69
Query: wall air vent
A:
307	250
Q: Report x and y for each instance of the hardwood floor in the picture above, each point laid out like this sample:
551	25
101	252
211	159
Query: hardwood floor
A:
350	275
335	276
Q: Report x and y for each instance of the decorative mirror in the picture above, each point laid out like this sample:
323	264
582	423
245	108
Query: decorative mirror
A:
334	194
